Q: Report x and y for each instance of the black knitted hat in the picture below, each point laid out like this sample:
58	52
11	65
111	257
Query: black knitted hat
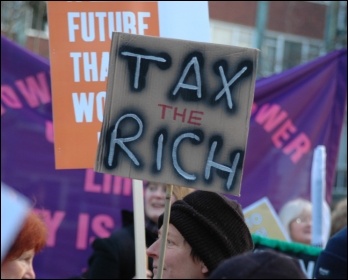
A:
267	264
212	224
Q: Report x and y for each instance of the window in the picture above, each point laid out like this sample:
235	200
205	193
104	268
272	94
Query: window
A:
39	15
292	55
230	34
313	53
245	38
279	51
222	36
268	57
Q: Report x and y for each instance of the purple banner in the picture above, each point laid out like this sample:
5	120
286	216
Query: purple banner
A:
78	204
293	113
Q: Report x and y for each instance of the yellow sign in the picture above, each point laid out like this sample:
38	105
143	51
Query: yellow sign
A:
263	220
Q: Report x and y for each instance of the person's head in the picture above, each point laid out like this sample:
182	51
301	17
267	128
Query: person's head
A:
204	229
266	264
155	195
296	216
339	216
332	261
18	263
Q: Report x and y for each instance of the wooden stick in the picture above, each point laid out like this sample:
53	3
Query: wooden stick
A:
164	231
139	230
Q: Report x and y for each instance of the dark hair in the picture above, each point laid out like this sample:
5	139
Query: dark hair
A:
33	235
339	216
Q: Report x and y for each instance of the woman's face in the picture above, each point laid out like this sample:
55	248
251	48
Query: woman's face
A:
20	268
301	228
155	195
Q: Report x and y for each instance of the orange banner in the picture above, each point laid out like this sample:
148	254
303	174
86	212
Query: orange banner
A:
80	41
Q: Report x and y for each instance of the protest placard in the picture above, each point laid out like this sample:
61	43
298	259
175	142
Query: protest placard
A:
263	220
80	39
177	112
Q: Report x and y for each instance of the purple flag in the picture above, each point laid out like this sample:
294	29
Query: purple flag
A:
78	205
293	113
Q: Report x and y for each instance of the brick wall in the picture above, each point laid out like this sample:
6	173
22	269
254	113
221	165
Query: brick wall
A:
295	17
38	45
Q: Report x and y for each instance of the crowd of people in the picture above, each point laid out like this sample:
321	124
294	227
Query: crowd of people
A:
206	238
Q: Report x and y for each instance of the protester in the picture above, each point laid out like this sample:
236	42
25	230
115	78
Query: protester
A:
114	257
259	265
306	255
332	261
339	216
296	217
18	263
204	229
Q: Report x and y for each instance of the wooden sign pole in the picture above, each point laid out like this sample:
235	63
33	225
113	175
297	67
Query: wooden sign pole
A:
164	231
139	230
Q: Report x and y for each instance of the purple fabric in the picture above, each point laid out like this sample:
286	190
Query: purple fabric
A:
312	98
82	204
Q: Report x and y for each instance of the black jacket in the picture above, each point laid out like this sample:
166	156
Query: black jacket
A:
114	256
